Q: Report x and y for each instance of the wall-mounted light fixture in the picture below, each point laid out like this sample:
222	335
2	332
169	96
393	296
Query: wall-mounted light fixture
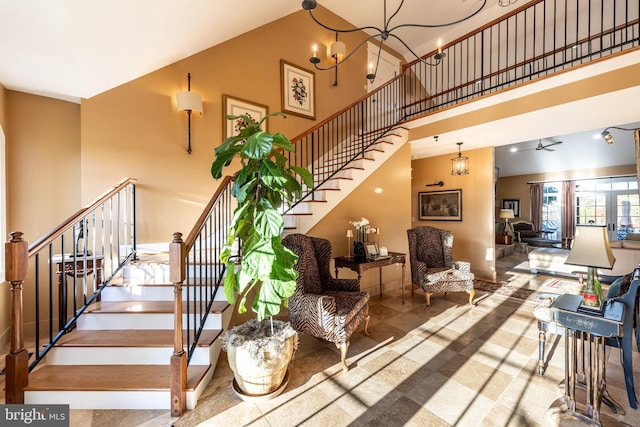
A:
460	163
608	138
337	51
435	184
189	101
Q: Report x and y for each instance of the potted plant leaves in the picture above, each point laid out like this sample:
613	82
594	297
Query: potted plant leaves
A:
260	268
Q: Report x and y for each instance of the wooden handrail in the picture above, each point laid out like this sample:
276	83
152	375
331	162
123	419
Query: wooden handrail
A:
60	229
197	228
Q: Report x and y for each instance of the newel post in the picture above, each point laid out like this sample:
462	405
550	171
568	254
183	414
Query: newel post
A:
179	357
16	252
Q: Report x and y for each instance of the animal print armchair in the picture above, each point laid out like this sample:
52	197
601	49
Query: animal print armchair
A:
322	306
432	266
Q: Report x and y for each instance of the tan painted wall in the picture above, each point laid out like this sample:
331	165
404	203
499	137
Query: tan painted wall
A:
43	172
385	200
136	130
473	236
43	162
3	100
516	187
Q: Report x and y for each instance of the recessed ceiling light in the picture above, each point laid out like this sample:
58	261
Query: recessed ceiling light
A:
513	149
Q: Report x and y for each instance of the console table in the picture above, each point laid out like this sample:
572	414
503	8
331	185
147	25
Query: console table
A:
590	329
368	263
77	267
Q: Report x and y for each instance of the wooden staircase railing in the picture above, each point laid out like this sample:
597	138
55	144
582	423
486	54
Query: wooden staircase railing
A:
62	273
194	263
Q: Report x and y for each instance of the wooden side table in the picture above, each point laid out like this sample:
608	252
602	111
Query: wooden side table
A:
369	263
76	267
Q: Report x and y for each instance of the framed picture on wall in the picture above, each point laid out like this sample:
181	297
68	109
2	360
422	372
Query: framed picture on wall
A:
440	205
298	90
513	204
240	107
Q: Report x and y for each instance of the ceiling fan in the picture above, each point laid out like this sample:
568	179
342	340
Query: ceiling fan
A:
541	146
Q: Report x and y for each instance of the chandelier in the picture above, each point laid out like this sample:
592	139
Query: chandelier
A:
460	163
382	34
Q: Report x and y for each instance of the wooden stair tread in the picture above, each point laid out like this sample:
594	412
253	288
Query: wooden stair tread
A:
145	307
109	378
131	338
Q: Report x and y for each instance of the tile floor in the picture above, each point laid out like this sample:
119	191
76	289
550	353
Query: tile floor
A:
451	365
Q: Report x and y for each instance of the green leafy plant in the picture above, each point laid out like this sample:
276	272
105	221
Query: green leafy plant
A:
264	183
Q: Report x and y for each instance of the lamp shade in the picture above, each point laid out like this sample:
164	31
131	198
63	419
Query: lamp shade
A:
591	248
189	101
507	213
337	50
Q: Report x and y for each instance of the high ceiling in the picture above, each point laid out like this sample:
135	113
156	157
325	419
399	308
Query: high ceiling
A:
73	49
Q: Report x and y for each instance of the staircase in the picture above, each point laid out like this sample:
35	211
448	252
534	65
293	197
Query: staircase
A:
345	178
117	356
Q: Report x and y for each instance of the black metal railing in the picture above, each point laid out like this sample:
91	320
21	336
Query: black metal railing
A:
538	39
196	270
69	267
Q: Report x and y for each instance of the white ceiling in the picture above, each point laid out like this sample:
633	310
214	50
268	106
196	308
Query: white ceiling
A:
73	49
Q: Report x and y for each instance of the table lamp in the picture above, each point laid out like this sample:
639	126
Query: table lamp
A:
507	214
591	249
349	236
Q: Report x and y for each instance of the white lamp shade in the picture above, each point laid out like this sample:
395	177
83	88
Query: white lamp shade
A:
591	248
338	49
507	213
189	101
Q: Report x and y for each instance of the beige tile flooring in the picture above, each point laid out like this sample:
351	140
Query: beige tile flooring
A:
450	365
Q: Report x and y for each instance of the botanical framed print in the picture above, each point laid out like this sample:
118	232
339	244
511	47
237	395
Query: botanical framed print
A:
298	87
237	107
512	204
440	205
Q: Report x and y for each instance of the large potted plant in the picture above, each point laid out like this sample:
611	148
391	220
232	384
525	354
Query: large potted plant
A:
260	268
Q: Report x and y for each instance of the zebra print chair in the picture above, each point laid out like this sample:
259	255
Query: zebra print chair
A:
432	266
327	308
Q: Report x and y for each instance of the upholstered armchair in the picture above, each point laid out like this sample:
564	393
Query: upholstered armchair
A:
322	306
432	266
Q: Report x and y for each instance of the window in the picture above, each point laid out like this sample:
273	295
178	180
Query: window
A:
612	202
551	209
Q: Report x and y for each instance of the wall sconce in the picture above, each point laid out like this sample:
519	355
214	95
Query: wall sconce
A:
337	51
460	164
435	184
189	101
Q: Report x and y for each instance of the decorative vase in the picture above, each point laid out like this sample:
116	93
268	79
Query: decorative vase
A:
592	294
